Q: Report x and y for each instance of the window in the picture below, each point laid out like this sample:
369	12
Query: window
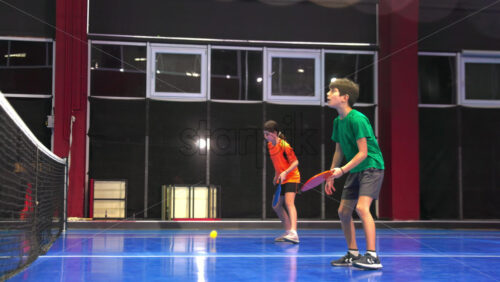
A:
359	67
437	78
178	72
236	74
26	67
26	79
481	79
118	69
293	76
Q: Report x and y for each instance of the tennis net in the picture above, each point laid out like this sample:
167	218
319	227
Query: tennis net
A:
32	194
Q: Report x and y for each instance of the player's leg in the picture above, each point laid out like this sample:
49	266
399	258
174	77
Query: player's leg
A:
289	191
363	211
370	260
283	216
282	213
345	214
292	211
292	236
370	184
347	205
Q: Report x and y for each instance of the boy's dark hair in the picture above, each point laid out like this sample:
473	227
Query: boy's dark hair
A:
346	86
272	126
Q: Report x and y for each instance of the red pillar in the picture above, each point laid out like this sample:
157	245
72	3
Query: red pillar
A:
71	95
398	108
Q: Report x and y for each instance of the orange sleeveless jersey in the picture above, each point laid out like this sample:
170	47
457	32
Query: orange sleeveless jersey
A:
280	163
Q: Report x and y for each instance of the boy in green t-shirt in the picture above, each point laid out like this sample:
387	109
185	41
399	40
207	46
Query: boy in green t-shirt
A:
355	140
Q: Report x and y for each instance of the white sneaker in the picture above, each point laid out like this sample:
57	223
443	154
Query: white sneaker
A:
292	237
281	238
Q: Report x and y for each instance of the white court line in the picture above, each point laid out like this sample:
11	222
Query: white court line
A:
266	256
316	237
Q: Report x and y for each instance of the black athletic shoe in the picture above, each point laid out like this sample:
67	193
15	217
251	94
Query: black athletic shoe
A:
346	260
368	262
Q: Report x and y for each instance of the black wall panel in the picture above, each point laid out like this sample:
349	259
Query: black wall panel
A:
245	20
117	147
236	142
481	163
34	112
439	142
174	156
28	18
459	25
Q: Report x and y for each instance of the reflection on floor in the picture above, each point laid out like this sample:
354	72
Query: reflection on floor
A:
252	255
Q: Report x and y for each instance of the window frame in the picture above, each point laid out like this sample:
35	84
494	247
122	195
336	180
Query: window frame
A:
201	50
53	66
270	53
483	57
89	68
375	73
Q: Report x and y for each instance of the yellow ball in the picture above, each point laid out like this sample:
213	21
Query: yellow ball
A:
213	234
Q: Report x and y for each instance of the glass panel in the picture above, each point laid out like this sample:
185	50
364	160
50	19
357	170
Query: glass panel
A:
181	202
200	202
109	189
4	52
26	80
25	53
437	79
357	67
117	70
482	81
292	77
236	75
27	68
134	58
179	73
109	209
106	57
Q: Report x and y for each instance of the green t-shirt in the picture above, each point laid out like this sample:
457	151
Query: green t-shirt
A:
348	130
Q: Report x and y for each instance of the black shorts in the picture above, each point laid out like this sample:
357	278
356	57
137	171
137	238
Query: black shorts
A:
364	183
289	187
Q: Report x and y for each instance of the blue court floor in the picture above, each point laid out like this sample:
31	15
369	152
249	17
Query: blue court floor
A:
243	255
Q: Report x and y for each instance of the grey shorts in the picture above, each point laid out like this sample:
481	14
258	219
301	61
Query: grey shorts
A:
364	183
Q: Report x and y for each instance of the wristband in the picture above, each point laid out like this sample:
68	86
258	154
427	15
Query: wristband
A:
342	171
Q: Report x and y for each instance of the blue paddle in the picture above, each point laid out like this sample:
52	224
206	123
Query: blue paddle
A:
277	194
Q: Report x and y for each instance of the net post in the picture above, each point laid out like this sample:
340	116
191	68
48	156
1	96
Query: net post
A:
65	197
35	236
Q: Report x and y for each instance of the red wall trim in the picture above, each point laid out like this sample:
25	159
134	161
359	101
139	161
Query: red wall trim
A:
398	108
71	95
